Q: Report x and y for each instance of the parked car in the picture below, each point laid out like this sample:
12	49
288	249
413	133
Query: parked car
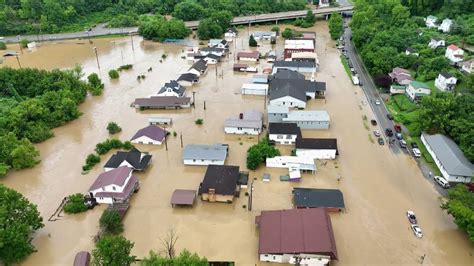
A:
377	102
416	230
390	116
380	141
414	145
411	217
441	181
416	152
373	122
389	132
397	128
403	144
399	136
377	133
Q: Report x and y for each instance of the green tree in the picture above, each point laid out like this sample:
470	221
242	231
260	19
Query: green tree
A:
24	155
114	251
114	74
113	128
19	219
96	85
460	205
184	258
258	153
252	41
75	204
158	28
111	222
3	46
287	33
310	19
24	43
189	10
335	26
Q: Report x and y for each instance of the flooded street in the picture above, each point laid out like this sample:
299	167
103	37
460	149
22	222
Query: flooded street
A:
378	186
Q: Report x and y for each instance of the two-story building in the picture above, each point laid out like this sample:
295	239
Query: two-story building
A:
417	90
114	186
454	54
445	81
284	133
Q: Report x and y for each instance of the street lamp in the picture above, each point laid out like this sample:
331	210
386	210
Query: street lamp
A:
131	38
19	44
97	57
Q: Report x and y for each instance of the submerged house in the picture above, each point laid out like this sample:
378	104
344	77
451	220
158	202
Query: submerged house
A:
294	164
309	119
162	102
321	149
149	135
220	184
198	68
284	133
247	123
172	88
200	154
134	159
303	236
329	199
114	186
188	79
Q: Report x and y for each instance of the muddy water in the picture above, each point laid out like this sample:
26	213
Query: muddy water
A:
378	186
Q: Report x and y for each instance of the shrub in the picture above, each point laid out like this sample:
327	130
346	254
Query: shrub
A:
3	46
276	29
258	153
111	222
199	121
75	204
96	85
287	33
252	41
113	128
125	67
24	43
114	74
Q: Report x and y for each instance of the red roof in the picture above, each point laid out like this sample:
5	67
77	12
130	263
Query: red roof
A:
116	177
250	54
82	258
183	197
296	231
453	47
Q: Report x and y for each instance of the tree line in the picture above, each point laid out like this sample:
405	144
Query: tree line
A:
51	16
32	102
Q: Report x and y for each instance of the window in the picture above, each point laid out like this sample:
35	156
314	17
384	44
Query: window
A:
113	188
288	137
279	136
239	128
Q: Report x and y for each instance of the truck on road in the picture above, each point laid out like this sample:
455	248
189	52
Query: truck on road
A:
355	80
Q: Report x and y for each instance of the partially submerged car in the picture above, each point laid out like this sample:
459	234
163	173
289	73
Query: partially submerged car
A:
416	230
411	217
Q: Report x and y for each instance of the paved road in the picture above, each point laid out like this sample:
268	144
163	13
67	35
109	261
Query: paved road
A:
370	90
101	29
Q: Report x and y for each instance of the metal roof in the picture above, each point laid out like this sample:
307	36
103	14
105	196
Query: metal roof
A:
318	198
205	152
450	156
251	119
308	116
275	109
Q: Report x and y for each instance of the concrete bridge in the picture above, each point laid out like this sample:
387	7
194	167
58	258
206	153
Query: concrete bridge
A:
278	16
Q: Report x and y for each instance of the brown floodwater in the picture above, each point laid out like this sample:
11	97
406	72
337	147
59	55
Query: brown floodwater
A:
378	186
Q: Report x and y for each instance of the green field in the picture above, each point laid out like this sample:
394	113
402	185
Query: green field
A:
346	66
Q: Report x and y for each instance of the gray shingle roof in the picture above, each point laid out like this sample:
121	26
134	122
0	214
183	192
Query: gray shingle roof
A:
318	198
205	152
295	88
134	157
449	154
151	131
251	119
188	77
287	74
175	86
200	66
299	64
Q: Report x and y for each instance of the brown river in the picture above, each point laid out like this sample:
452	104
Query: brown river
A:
378	186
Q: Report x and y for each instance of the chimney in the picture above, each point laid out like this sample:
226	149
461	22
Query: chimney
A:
241	116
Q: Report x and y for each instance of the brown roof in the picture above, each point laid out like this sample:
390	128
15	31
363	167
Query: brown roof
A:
296	231
222	178
240	65
249	54
153	132
116	177
162	101
82	258
183	197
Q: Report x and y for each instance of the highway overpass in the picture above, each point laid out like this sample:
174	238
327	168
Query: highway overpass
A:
278	16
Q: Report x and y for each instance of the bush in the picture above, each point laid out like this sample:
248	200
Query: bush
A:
111	222
96	85
114	74
125	67
252	41
258	153
3	46
75	204
113	128
24	43
276	29
287	33
199	121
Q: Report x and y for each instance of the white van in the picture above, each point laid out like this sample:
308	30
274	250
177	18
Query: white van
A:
355	80
441	181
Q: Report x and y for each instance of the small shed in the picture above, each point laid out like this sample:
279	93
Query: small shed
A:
82	258
260	79
183	197
240	67
160	120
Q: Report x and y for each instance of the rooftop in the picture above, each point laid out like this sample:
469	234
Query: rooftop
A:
205	152
249	54
318	198
162	101
188	77
116	177
299	44
250	119
296	231
446	74
275	109
308	116
284	128
222	178
134	157
316	144
298	64
419	85
449	154
174	85
153	132
183	197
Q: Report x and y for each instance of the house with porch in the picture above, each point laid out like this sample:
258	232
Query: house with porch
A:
134	159
445	81
321	149
454	54
294	164
303	236
451	162
284	133
220	184
114	186
151	134
202	154
417	90
247	123
172	88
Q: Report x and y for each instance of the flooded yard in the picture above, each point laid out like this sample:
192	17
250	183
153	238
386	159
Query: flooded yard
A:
378	186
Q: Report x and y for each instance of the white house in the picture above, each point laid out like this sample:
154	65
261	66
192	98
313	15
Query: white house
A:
294	164
195	154
452	163
187	79
309	119
454	54
416	90
468	66
436	42
282	94
431	21
323	3
149	135
254	89
198	68
411	51
277	113
321	149
212	50
230	34
114	186
211	59
218	43
172	88
134	159
445	81
308	67
446	25
252	56
247	123
263	35
283	133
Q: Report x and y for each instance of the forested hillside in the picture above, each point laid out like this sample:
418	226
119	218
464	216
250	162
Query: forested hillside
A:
50	16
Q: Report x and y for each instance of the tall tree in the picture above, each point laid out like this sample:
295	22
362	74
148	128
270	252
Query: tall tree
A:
113	251
460	205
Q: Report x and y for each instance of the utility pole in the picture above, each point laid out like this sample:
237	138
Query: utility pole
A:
19	44
194	100
204	105
131	38
166	142
97	57
89	36
181	138
121	52
18	60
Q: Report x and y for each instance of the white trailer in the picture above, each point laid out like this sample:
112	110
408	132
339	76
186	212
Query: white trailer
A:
254	89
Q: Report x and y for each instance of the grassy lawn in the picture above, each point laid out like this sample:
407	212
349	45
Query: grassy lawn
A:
432	86
346	66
